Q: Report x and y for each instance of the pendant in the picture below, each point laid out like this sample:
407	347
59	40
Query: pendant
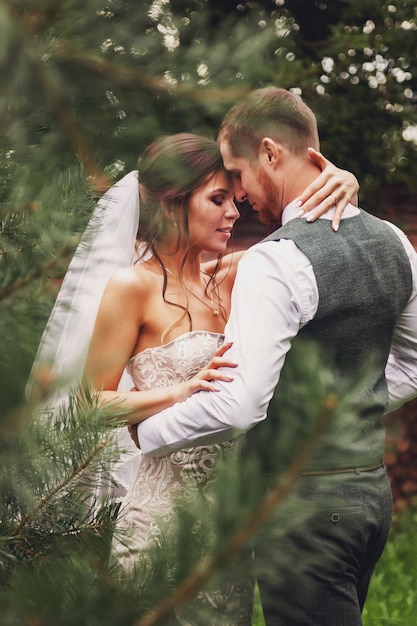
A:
216	312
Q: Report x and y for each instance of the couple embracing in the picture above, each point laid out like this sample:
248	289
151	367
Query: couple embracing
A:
205	343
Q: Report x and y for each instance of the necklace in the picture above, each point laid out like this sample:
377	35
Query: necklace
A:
214	309
211	306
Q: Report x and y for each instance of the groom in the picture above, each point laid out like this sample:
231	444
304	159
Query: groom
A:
354	293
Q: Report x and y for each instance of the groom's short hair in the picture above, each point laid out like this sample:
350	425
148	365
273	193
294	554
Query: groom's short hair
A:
269	112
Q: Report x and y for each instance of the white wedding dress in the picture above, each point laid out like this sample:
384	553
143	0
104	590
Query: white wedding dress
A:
148	503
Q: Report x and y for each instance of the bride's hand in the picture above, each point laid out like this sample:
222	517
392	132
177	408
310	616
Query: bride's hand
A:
334	187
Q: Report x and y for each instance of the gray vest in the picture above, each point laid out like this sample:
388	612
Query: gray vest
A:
364	282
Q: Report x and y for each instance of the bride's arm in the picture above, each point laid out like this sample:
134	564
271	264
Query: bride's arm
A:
115	334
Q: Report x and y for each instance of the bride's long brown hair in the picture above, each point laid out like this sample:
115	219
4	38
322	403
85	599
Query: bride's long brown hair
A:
170	170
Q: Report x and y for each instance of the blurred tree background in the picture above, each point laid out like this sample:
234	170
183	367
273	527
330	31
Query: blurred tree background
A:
87	84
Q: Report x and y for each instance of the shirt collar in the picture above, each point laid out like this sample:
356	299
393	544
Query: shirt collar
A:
292	210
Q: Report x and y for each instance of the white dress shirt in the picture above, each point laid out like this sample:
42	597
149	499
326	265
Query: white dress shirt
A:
275	294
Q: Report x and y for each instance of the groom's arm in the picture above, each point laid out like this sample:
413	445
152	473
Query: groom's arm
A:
401	370
273	290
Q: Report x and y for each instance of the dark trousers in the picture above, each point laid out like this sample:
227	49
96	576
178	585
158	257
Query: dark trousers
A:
324	561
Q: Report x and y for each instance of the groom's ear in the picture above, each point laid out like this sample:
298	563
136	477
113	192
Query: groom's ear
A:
270	152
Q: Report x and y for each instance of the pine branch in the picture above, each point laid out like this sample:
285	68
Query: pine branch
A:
209	565
77	472
20	284
68	122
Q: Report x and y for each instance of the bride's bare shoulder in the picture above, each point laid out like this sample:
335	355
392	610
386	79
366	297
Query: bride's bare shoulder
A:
135	279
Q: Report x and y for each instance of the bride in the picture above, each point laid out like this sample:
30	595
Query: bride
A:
161	320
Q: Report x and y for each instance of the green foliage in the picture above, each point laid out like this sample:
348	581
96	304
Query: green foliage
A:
38	234
393	596
51	478
101	79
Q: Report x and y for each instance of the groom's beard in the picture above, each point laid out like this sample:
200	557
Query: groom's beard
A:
271	209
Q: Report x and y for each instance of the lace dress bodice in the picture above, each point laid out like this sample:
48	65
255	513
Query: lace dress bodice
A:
173	362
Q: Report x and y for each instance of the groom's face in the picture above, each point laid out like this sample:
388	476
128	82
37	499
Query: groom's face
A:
252	182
